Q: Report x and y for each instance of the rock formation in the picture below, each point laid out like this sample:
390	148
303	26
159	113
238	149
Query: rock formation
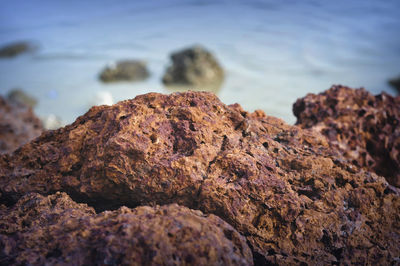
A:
194	66
54	230
395	83
294	198
18	125
363	127
19	97
128	70
14	49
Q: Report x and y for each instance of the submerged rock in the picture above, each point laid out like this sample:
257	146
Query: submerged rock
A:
20	97
395	83
14	49
18	125
294	198
194	66
363	127
125	71
54	230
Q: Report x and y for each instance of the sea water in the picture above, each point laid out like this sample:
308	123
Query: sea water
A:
273	52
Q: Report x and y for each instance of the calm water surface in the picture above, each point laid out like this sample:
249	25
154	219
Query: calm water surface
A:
273	51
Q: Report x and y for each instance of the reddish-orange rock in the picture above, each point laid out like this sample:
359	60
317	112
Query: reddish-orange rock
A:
18	125
54	230
363	127
282	187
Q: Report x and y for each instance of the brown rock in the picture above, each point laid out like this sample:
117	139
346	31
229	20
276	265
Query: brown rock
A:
54	230
395	83
194	66
14	49
363	127
282	187
18	125
19	97
125	71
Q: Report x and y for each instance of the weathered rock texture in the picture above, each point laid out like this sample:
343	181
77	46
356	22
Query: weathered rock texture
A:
124	71
363	127
14	49
280	186
18	125
193	66
54	230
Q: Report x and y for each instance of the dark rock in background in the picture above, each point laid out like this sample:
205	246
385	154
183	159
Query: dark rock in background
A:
128	70
18	125
395	83
14	49
54	230
363	127
194	66
19	97
293	197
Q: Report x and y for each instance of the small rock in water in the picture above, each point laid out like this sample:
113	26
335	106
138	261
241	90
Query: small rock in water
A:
395	83
132	70
193	66
14	49
52	122
19	97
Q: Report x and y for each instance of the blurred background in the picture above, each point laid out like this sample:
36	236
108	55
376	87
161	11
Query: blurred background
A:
272	52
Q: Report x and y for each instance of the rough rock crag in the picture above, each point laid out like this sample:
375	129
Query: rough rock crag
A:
18	125
54	230
363	127
282	187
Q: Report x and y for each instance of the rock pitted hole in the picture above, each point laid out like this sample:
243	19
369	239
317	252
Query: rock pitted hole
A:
54	253
183	143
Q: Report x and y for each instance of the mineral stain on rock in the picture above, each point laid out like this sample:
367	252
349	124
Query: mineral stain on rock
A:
294	198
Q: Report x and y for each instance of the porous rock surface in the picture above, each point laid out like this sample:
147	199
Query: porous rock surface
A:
363	127
54	230
18	125
193	66
283	188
